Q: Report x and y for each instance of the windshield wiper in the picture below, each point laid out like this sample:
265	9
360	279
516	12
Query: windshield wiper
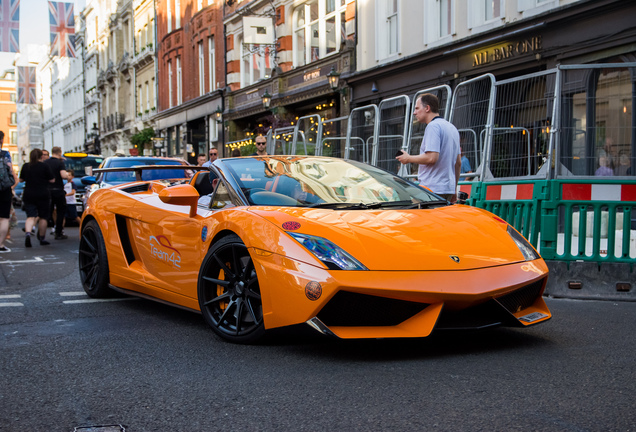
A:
339	205
375	205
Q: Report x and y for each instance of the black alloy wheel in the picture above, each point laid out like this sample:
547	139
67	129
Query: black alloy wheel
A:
229	294
93	263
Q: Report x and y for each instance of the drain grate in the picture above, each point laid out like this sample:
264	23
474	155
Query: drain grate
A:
107	428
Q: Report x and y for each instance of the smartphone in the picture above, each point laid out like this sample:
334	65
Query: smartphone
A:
399	153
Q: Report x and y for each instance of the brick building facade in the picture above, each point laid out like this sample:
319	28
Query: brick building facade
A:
191	75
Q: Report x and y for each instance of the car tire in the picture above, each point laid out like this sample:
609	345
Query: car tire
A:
229	293
93	262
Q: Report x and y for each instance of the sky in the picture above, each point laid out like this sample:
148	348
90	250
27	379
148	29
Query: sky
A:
34	30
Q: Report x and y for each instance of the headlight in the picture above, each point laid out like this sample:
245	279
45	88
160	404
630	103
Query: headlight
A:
331	255
524	246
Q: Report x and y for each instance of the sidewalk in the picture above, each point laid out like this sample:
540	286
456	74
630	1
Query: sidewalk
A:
38	264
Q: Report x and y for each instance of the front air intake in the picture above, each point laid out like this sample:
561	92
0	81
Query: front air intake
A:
349	309
522	298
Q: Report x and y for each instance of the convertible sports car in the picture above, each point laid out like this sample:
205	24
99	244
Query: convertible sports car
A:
352	250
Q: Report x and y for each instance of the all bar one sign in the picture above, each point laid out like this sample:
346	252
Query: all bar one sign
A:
507	51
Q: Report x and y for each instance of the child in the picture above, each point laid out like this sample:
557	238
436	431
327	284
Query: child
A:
71	210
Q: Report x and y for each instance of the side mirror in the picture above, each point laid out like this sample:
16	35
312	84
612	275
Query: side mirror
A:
88	180
462	197
184	195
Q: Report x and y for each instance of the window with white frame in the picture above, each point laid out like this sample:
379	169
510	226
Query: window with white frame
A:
256	63
201	70
169	84
439	20
536	6
169	15
211	63
318	29
179	95
387	36
482	12
147	97
140	101
177	14
213	127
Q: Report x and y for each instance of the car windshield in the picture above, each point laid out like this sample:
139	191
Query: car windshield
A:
79	164
150	174
325	182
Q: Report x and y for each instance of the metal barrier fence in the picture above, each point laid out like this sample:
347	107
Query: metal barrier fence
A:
541	147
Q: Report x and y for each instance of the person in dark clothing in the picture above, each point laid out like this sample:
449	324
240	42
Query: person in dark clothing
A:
58	196
36	198
6	197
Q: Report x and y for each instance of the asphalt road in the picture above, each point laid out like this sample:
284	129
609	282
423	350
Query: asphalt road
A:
69	362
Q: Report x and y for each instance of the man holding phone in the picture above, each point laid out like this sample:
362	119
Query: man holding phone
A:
440	157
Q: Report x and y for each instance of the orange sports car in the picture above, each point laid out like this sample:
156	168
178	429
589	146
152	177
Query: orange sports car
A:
353	251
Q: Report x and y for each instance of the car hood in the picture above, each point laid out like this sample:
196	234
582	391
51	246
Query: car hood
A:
447	238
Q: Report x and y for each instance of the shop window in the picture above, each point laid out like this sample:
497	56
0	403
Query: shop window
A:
439	21
596	136
317	30
387	36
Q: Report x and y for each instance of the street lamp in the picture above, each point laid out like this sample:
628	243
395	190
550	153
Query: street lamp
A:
267	99
219	114
334	78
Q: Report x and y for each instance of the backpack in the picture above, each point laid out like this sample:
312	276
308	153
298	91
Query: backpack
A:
6	176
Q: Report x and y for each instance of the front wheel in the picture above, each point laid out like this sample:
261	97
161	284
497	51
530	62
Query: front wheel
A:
93	263
229	294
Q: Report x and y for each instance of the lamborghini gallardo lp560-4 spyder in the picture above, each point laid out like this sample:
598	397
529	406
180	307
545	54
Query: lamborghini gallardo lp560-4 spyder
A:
257	243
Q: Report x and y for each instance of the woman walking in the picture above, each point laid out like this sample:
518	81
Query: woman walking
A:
37	176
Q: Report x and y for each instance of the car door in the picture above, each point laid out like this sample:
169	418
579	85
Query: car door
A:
169	243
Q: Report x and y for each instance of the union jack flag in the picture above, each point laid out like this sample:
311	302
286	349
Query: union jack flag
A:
62	29
26	85
10	25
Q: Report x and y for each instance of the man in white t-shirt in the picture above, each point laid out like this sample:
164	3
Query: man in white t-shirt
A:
440	156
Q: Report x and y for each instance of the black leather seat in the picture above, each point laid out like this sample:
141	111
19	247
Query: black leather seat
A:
202	183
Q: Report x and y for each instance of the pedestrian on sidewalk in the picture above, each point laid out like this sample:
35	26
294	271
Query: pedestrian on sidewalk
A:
58	198
6	194
36	197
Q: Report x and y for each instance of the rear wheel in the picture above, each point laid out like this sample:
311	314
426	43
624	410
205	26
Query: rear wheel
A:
229	294
93	263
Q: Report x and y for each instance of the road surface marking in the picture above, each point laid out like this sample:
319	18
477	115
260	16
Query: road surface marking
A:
10	304
35	260
72	293
10	296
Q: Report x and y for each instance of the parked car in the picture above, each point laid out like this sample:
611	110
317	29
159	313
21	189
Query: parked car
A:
117	177
82	164
347	248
